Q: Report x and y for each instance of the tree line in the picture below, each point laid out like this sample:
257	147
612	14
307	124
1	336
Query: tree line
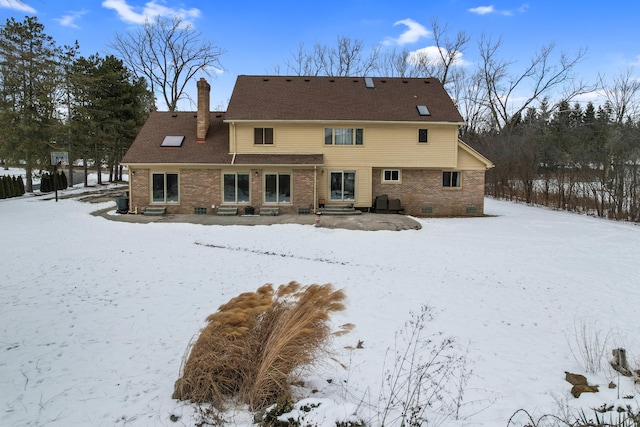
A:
547	148
53	99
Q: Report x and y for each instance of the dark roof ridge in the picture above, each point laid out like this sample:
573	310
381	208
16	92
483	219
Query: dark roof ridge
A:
266	97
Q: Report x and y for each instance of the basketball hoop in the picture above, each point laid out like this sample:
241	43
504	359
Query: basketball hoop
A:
59	158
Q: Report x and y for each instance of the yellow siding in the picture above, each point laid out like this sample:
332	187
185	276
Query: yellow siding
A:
468	162
385	145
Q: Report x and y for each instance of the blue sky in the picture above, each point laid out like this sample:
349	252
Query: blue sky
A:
258	36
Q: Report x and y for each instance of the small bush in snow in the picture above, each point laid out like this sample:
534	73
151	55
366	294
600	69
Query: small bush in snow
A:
425	383
589	346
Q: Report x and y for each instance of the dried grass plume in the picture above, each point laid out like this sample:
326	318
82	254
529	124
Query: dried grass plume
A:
254	344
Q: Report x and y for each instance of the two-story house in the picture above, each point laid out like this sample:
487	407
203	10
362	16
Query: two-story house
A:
297	142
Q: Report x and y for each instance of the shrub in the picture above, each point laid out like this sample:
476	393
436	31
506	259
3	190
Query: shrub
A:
252	347
589	346
426	381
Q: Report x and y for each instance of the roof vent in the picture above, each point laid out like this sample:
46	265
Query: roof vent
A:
172	141
368	82
423	110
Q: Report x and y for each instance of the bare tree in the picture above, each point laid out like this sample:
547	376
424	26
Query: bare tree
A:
450	50
622	95
168	53
394	63
439	60
540	77
348	58
301	63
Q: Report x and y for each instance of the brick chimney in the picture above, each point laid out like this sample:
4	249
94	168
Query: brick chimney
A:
203	119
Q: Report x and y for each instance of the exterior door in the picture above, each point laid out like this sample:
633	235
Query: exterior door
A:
343	186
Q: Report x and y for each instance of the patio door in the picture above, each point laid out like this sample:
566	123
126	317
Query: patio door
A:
343	186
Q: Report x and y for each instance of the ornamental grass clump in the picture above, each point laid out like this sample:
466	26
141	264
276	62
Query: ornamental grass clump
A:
253	346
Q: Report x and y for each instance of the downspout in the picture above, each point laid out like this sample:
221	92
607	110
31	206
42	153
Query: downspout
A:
315	189
234	142
130	173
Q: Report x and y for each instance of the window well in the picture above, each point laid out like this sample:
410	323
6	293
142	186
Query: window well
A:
423	110
172	141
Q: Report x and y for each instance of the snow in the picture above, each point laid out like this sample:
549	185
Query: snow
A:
96	315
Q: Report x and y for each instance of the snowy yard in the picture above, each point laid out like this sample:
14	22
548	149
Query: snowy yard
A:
96	315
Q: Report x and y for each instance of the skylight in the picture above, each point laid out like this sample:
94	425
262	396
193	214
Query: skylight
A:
423	110
172	141
368	81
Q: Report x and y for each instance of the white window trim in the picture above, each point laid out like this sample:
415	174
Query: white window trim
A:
355	185
451	187
264	186
222	186
354	137
164	202
392	181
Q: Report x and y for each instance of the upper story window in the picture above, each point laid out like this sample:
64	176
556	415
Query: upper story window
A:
450	179
343	136
263	136
423	135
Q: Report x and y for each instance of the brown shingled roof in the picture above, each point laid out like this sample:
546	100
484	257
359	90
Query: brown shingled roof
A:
339	98
146	147
215	150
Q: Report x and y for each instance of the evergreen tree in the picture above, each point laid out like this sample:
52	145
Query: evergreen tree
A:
29	73
15	191
21	185
111	106
2	192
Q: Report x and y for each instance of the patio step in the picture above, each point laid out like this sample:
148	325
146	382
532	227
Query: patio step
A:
155	211
269	211
227	211
339	210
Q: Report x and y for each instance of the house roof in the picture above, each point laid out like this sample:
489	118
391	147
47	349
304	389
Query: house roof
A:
340	98
214	150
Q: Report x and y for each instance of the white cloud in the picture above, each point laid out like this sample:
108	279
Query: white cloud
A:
16	5
414	32
151	9
486	10
430	56
482	10
69	20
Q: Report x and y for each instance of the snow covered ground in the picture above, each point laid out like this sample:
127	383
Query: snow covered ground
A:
96	315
